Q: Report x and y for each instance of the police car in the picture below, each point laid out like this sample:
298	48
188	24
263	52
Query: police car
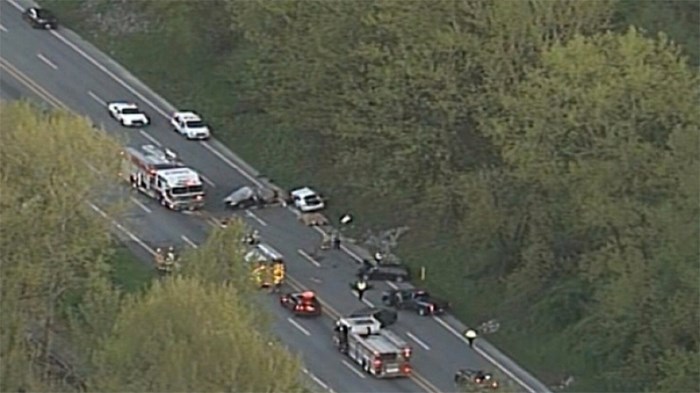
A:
127	114
190	125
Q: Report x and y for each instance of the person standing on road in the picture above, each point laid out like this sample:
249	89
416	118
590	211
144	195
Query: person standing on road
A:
360	287
471	335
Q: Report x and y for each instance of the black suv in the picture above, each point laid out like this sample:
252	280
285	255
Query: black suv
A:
385	316
384	272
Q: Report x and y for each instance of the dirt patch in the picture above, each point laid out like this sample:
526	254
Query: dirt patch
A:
116	18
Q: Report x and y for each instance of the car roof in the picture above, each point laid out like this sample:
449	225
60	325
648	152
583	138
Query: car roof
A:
304	192
188	116
391	267
123	104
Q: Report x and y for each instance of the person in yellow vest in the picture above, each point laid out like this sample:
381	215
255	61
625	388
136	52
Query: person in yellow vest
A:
258	275
278	275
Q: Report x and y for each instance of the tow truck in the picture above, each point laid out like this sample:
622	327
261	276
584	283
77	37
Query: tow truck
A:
379	352
160	175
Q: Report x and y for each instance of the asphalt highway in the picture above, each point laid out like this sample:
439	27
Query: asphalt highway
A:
65	71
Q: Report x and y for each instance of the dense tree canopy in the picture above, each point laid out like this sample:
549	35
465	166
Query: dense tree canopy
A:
186	335
544	153
65	327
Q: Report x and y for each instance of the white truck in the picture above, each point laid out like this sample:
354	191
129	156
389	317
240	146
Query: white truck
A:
379	352
161	176
190	125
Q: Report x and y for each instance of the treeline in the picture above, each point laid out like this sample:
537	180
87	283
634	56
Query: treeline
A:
558	156
66	327
544	154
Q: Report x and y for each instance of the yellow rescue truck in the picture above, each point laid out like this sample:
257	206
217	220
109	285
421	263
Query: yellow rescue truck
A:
267	266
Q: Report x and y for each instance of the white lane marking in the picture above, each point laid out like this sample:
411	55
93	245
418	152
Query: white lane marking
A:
188	241
150	138
256	218
123	229
141	97
2	28
227	161
353	369
308	257
418	341
348	251
231	164
486	356
140	204
206	180
47	61
392	285
296	325
364	299
97	98
316	379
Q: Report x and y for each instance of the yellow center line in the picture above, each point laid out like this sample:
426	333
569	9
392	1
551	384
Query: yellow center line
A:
52	100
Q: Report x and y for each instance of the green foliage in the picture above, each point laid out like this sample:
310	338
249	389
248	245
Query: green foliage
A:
53	245
192	336
549	162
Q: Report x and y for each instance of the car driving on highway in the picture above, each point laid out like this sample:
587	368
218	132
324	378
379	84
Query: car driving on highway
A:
127	114
384	272
40	18
385	317
190	125
301	303
415	299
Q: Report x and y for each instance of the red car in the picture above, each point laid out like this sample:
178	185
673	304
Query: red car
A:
301	303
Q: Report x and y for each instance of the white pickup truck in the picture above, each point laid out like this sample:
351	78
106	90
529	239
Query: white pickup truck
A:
190	125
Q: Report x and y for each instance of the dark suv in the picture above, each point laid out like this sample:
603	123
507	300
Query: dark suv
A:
384	272
385	316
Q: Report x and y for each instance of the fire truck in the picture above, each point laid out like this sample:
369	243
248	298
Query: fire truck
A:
159	174
378	351
267	266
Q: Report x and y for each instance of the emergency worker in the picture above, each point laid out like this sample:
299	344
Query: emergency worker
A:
278	274
258	274
360	287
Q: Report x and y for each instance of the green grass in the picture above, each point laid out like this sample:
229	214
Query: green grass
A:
198	81
129	274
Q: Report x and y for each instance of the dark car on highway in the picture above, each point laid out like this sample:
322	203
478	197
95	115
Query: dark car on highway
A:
40	18
385	316
384	272
415	299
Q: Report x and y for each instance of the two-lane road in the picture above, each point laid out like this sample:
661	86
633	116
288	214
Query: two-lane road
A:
82	79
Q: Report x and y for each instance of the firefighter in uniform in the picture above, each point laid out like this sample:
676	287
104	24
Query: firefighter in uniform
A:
258	274
277	275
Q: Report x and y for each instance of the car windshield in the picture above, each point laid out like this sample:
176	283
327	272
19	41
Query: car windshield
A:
130	111
312	200
43	14
187	190
195	124
421	296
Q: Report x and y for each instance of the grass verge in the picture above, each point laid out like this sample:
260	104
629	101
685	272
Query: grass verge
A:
129	274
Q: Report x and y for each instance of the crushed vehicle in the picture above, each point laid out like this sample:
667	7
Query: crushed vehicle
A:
416	300
246	197
475	377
